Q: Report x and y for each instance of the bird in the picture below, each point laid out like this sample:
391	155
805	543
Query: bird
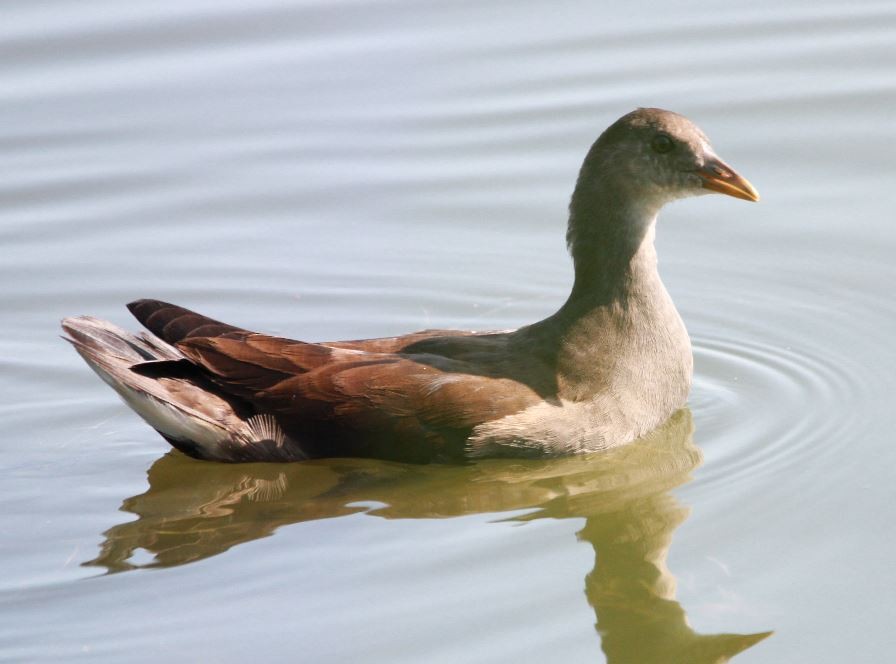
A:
613	363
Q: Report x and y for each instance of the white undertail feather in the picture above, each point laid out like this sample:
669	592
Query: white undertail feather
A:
264	427
176	407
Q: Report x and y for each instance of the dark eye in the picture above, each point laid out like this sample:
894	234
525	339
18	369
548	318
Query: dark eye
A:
662	144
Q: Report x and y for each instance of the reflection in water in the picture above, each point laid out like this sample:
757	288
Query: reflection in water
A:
623	495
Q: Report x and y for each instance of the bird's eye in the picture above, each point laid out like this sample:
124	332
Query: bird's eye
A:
662	144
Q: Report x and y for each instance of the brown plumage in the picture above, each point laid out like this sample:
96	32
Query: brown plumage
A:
610	365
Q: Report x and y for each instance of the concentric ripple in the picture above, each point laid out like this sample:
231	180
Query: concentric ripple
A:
761	407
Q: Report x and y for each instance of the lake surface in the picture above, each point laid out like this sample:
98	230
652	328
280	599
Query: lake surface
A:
332	170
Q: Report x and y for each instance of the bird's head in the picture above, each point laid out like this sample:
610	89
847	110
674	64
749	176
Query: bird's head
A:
656	156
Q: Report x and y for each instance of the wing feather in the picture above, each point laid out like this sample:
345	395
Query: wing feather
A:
417	396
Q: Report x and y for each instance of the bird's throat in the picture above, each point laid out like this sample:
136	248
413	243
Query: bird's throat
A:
613	256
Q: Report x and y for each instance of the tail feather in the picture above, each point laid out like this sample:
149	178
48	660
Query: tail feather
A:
173	323
186	409
86	332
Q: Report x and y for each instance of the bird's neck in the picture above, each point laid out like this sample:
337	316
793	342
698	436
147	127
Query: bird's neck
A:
615	273
618	309
618	330
611	242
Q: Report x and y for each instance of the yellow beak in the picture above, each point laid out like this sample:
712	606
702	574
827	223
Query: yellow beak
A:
720	177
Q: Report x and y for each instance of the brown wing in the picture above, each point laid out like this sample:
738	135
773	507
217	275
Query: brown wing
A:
337	399
397	344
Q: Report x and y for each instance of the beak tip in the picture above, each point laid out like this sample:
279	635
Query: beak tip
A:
718	176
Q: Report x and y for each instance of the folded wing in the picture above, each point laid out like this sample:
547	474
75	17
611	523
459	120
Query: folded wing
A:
395	398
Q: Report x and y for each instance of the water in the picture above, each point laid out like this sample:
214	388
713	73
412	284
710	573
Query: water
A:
333	170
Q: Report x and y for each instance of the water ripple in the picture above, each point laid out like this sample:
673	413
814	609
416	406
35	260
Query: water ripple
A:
764	408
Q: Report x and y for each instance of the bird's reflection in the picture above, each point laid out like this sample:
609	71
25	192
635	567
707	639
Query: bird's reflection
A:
192	511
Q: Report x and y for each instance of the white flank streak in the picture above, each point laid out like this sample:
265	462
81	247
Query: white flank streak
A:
264	427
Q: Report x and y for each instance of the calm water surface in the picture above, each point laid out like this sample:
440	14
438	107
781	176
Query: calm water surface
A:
345	169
